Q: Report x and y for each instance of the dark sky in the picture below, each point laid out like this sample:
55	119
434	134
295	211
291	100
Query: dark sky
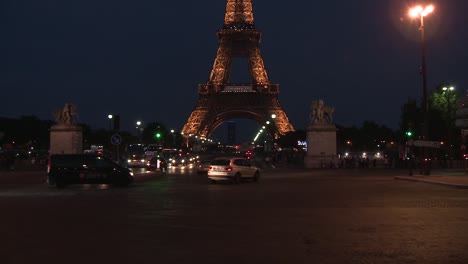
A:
144	59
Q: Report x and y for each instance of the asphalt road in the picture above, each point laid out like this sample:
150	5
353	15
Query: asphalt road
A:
291	216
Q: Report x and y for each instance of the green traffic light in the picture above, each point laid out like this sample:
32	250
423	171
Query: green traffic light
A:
409	133
158	135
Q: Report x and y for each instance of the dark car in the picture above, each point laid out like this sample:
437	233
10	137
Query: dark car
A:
156	163
64	169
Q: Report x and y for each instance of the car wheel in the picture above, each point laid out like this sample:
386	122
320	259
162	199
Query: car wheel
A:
256	176
237	178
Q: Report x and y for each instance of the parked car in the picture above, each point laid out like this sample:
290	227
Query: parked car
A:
232	168
64	169
203	166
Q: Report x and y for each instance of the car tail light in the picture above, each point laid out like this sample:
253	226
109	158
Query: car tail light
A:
210	168
228	168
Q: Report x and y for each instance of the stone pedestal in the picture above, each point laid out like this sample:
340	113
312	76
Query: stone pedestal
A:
66	139
321	146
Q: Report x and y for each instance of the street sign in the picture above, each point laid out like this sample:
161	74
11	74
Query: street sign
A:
461	122
427	144
116	139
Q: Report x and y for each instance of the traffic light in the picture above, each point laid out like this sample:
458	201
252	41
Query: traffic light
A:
116	119
157	135
409	133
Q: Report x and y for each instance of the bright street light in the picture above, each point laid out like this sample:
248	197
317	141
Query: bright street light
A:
139	129
110	116
451	88
421	12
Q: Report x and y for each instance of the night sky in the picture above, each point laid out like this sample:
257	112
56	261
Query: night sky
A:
144	59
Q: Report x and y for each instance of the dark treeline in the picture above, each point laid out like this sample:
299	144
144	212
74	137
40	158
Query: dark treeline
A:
29	132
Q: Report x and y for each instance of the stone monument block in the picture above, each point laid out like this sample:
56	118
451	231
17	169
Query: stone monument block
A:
66	139
67	136
321	137
321	146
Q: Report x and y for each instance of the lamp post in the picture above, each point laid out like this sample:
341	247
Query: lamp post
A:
420	12
110	116
173	138
447	91
138	123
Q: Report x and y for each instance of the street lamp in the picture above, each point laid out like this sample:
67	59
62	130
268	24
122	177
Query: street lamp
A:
447	92
173	138
110	116
138	123
421	12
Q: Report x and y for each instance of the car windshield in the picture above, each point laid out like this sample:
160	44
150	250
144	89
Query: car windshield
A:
222	162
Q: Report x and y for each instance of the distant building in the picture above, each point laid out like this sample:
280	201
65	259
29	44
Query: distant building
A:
231	137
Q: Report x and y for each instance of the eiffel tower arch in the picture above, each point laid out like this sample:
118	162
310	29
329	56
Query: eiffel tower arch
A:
219	99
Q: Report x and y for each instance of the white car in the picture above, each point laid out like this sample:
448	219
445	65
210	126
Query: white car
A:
232	168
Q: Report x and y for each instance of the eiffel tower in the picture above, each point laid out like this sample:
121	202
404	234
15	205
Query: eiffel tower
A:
219	100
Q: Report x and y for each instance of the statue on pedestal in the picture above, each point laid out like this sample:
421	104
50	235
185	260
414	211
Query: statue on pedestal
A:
320	113
66	137
67	116
321	136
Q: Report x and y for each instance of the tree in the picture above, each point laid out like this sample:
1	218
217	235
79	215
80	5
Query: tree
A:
442	112
370	137
290	139
155	133
441	116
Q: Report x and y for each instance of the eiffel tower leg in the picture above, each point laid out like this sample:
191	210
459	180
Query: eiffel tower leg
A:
257	67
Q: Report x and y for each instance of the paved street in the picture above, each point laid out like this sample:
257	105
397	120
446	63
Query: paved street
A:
291	216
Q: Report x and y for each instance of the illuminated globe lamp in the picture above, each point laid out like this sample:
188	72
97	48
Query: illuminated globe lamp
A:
110	116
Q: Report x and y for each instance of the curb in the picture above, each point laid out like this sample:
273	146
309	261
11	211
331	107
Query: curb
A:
453	185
